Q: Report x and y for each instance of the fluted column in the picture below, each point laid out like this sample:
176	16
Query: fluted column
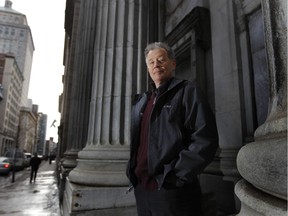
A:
118	64
80	31
72	10
83	34
263	163
116	68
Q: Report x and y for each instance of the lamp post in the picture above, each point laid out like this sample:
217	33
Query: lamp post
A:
15	153
1	92
14	162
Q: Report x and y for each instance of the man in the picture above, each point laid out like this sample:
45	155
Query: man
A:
34	163
174	137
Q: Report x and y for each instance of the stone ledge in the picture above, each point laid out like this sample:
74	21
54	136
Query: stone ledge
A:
79	198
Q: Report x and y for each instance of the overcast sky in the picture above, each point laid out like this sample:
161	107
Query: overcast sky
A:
46	21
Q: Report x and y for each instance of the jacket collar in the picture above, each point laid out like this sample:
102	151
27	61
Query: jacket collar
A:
169	84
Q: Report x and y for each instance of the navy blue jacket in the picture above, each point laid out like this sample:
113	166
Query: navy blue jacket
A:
183	136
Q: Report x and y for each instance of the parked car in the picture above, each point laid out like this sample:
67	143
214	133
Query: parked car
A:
4	165
16	156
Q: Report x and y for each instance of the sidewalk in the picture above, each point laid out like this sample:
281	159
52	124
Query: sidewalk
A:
24	198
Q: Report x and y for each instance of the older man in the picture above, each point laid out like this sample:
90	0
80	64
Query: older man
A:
174	137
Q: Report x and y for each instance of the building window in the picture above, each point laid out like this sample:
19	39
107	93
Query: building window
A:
21	33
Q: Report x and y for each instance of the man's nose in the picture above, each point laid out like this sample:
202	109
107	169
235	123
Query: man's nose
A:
156	64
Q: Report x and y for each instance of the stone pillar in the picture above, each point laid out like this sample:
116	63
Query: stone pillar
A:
263	163
227	96
81	63
70	80
98	184
79	53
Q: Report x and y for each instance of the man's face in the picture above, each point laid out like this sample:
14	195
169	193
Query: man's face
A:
160	67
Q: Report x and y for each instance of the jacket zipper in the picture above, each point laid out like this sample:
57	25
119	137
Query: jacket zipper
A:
154	102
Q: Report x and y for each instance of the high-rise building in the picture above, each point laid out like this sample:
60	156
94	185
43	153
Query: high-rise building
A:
16	39
16	46
11	78
41	133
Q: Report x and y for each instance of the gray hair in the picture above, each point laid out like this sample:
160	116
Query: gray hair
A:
158	45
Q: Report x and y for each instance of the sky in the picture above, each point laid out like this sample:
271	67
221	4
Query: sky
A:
46	21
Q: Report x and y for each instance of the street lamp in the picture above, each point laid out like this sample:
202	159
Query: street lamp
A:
14	163
1	92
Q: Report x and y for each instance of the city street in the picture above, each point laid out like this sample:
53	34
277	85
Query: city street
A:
24	198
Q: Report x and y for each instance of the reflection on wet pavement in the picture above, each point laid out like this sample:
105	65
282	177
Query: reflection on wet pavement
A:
36	198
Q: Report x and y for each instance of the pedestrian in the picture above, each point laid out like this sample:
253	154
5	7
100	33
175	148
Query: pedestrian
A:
34	163
50	159
173	138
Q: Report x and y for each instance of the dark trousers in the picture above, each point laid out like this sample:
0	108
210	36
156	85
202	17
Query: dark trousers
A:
33	174
184	201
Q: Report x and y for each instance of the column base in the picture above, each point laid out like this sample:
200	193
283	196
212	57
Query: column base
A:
65	165
89	200
62	175
263	163
257	203
70	159
101	166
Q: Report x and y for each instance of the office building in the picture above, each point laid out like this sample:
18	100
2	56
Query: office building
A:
12	79
16	38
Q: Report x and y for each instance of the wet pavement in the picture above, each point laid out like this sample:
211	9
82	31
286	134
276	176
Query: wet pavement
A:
24	198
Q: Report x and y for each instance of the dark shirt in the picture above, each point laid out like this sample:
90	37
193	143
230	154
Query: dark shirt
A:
141	171
35	162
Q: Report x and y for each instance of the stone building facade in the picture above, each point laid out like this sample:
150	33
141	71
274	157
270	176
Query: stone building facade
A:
26	139
11	79
236	50
41	133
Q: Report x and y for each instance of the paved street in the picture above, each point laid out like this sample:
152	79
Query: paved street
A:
22	198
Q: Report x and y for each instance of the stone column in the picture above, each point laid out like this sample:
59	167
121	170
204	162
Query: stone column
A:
99	180
79	53
81	56
227	95
74	59
263	163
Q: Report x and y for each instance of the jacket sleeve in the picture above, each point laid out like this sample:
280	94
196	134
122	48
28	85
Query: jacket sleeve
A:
201	134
